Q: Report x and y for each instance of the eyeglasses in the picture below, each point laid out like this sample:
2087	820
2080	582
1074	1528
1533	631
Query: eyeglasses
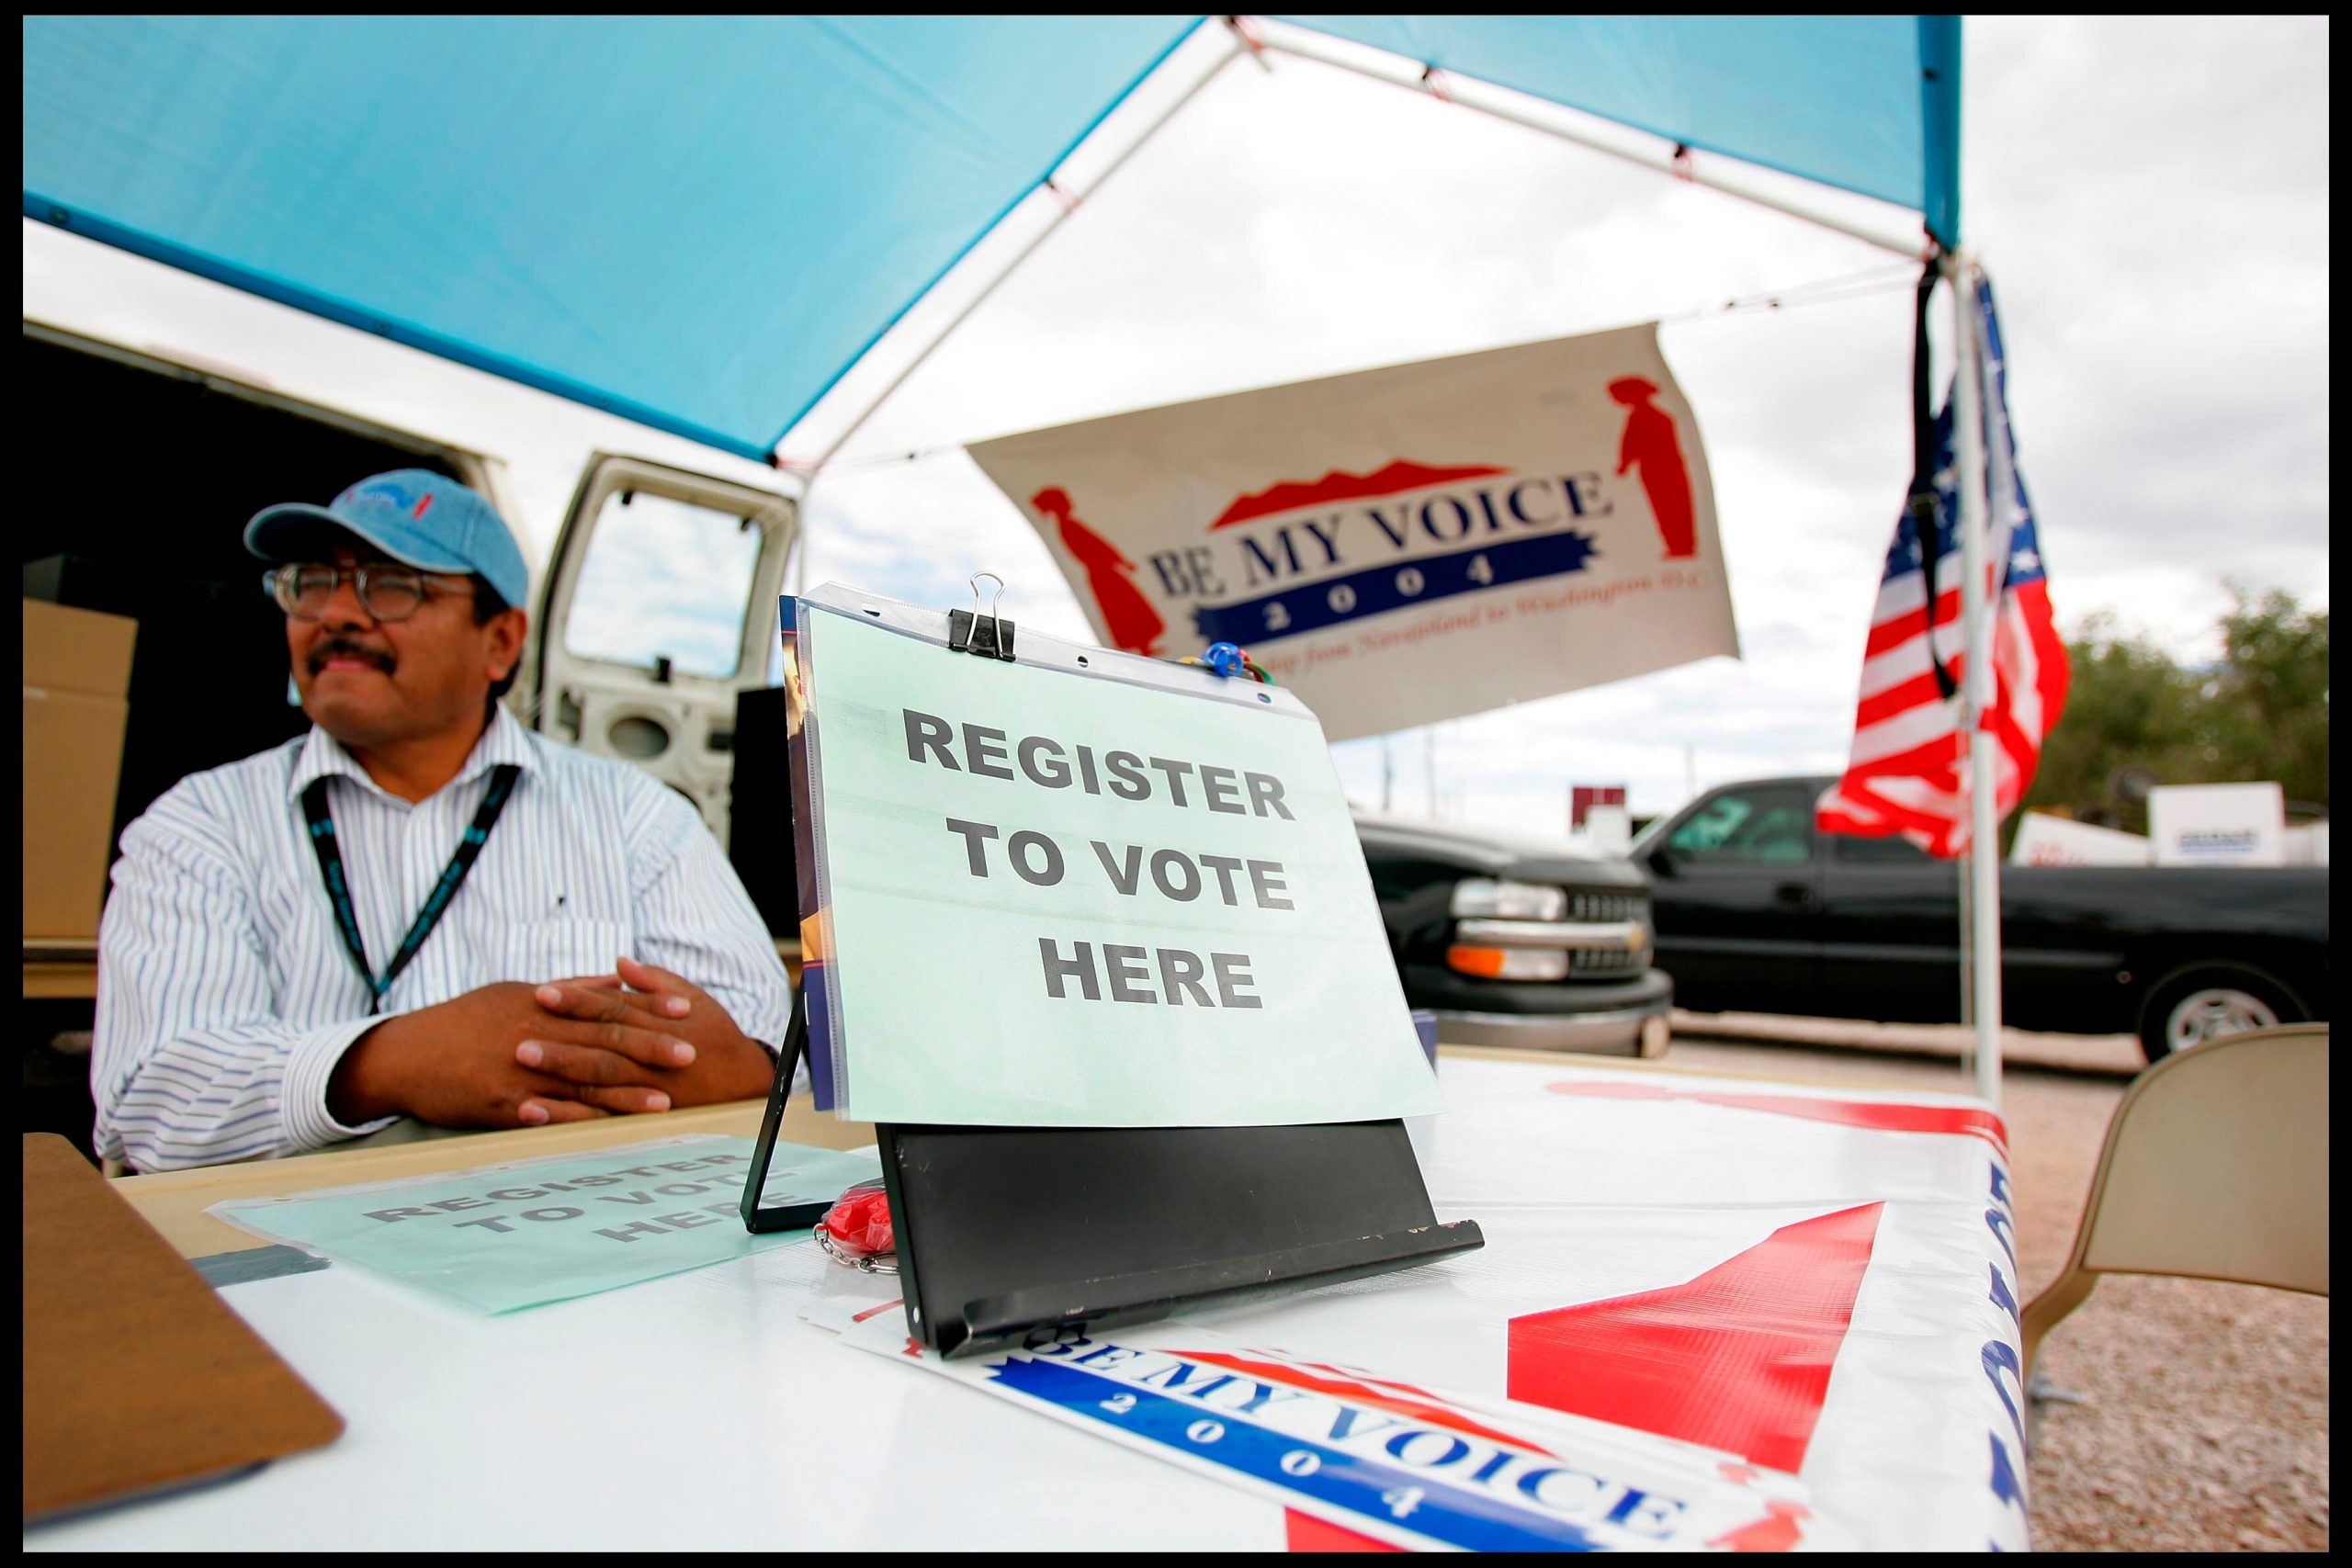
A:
388	592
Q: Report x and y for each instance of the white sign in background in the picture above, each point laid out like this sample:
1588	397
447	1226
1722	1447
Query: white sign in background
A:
1089	898
1401	544
2222	824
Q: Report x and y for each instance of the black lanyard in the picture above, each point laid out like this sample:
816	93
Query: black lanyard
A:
453	876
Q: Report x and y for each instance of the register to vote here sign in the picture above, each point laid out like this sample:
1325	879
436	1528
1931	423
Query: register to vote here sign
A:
1125	895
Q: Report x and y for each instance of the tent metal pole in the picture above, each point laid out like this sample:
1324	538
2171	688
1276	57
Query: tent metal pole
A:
1977	603
1569	125
1069	202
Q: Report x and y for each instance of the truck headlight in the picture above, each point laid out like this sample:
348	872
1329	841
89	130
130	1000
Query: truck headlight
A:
1509	963
1482	897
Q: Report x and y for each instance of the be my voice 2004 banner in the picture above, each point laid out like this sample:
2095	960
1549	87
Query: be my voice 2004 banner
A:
1401	544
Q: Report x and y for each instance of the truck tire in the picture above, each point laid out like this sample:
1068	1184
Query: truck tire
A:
2204	1001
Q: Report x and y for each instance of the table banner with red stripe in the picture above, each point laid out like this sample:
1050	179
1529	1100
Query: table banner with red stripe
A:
1785	1315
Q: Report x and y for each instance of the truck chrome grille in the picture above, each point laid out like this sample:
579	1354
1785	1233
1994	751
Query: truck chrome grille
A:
1606	935
1608	905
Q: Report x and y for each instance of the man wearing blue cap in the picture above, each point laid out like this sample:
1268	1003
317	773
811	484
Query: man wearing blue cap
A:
421	914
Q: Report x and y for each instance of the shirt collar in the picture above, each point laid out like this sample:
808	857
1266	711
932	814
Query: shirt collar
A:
322	756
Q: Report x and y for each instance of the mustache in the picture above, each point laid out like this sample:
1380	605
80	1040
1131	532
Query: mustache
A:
346	648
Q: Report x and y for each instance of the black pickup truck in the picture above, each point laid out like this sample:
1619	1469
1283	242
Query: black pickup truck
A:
1757	911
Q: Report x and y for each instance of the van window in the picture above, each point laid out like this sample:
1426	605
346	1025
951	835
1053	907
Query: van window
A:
663	580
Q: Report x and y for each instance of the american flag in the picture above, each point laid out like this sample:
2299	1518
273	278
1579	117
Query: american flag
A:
1908	772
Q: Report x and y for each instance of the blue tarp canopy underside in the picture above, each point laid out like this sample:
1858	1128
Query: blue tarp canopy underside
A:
701	224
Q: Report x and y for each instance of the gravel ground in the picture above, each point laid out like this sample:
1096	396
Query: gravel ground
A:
2203	1426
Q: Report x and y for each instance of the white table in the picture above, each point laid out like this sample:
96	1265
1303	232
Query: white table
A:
699	1411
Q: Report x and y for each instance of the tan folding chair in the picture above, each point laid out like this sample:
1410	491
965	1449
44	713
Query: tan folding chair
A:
2215	1168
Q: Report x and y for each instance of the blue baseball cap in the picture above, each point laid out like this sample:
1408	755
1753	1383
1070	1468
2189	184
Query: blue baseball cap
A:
417	517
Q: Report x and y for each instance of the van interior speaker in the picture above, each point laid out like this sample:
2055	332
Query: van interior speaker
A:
636	736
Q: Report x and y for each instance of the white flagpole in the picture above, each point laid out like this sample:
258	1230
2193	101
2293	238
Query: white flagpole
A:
1976	601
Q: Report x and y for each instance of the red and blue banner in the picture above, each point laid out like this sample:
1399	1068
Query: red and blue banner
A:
1401	545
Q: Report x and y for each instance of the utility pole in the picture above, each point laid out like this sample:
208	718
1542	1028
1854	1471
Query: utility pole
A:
1429	740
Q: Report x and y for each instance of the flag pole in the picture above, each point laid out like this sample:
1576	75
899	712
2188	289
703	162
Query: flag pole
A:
1983	902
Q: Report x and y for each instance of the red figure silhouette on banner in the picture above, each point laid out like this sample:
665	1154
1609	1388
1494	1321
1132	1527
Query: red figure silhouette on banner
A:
1650	443
1132	624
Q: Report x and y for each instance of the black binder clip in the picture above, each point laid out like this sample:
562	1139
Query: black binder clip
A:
990	635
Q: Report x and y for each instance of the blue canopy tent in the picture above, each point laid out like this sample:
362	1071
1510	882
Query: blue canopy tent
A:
703	223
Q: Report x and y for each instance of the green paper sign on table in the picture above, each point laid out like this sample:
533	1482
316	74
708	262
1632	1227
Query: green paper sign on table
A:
1081	889
524	1232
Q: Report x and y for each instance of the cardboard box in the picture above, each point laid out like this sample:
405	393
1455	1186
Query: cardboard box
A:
77	670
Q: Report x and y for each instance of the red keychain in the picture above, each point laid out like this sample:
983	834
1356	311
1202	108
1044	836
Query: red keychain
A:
856	1230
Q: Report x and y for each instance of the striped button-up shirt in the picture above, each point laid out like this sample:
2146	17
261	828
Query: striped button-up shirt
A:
226	996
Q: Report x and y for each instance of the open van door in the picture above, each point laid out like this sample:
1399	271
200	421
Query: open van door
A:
659	608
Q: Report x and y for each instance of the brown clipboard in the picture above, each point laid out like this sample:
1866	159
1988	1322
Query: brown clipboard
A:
137	1378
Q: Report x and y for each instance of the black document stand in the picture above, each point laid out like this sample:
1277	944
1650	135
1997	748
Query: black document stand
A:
784	1216
1008	1235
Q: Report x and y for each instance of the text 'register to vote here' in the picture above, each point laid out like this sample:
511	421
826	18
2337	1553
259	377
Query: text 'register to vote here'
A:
1114	972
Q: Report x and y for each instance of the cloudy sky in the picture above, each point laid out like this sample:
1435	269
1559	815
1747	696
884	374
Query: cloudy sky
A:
2149	197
